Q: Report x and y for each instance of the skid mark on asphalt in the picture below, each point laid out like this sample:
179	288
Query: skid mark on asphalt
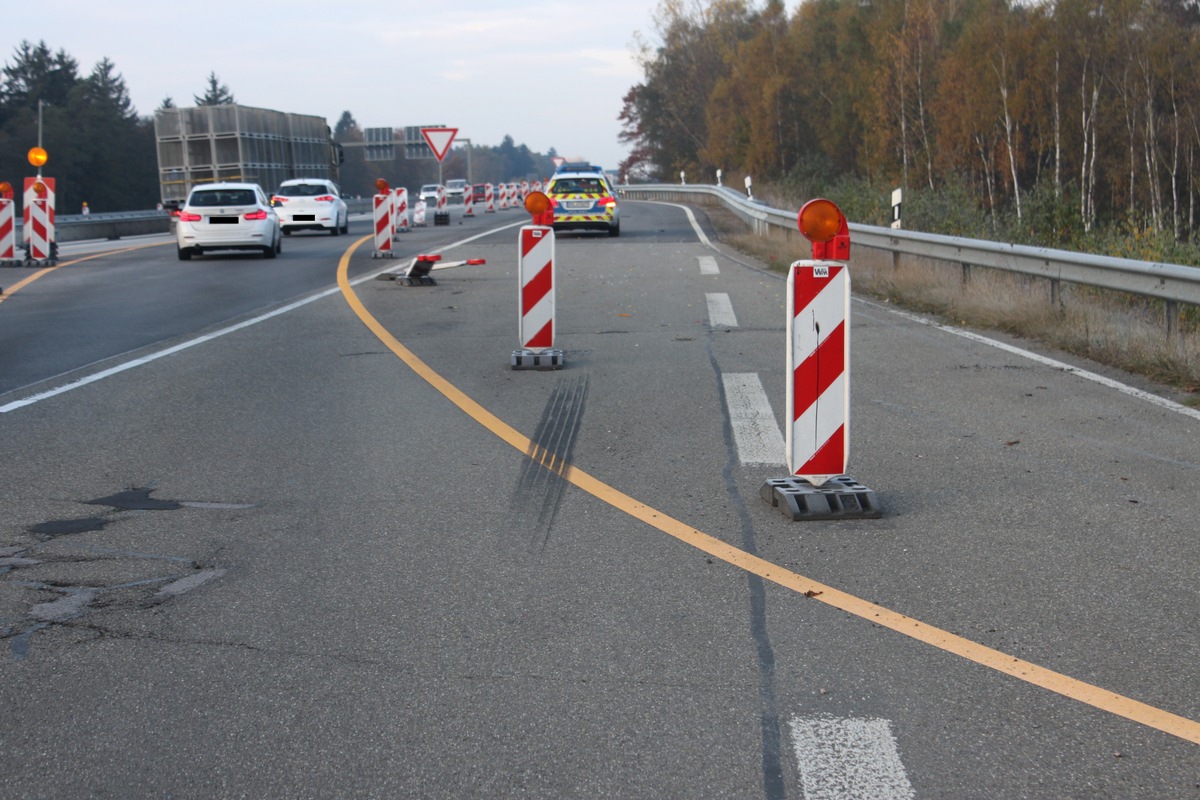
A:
540	487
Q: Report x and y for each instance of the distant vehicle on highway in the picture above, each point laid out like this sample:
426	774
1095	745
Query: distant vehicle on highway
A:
429	192
228	216
455	189
310	204
583	199
479	193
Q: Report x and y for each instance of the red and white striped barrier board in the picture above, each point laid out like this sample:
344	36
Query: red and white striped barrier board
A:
524	191
441	199
8	230
400	206
535	273
468	201
39	218
383	226
502	201
489	199
818	357
419	213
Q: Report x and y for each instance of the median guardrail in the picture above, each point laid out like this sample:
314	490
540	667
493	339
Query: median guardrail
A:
1173	283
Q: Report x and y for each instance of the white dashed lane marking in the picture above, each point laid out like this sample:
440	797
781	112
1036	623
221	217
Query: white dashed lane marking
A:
841	759
755	431
720	311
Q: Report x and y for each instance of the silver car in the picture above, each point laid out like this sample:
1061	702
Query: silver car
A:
227	216
310	204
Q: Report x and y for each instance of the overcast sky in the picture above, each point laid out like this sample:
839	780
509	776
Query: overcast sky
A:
547	73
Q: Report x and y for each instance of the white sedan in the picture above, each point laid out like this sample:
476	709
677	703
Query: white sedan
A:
227	216
311	204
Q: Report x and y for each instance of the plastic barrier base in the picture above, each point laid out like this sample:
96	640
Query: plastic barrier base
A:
839	498
441	218
538	359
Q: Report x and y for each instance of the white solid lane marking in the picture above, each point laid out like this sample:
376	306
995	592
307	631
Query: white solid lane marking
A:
708	265
720	311
755	431
841	759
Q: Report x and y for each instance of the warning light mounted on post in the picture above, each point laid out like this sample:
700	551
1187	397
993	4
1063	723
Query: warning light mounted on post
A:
541	207
37	156
824	224
6	190
381	186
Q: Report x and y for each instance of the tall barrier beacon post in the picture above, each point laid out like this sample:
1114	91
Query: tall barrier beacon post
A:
817	432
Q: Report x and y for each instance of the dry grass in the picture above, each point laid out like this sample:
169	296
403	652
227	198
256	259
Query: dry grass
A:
1110	328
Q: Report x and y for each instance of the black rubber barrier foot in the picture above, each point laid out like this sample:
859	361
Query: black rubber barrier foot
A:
839	498
544	359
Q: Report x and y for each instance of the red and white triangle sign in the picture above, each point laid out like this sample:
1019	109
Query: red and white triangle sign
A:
439	140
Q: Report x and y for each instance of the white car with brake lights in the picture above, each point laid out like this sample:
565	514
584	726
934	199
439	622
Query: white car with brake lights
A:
227	216
310	204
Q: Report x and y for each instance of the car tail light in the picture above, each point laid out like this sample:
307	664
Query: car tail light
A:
607	201
278	201
187	216
325	198
260	214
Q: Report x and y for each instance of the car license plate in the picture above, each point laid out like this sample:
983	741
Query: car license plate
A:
304	218
222	220
577	205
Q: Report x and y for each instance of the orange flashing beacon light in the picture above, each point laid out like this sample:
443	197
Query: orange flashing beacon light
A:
541	207
824	224
37	156
382	187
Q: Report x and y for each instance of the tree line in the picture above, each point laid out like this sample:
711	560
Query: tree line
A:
1056	118
103	153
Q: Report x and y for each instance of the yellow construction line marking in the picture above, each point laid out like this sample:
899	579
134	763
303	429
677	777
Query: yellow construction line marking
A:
16	287
1026	671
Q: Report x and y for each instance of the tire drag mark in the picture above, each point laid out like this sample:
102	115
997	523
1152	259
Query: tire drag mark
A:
540	486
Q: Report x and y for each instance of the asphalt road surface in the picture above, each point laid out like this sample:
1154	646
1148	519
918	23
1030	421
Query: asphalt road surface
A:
281	529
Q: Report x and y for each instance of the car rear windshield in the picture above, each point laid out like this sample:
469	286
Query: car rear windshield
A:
578	186
303	190
223	197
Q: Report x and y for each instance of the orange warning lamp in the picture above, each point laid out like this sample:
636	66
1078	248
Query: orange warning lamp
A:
6	190
37	156
541	207
824	224
39	189
382	187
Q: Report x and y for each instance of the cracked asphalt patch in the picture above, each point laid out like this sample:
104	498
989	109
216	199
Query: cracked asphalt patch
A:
62	571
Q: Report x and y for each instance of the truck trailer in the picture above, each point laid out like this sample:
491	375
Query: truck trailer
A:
231	142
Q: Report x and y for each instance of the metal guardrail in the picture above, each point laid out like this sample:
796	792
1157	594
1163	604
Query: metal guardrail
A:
1173	283
77	227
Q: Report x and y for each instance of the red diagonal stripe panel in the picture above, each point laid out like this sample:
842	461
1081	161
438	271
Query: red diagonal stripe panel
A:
829	458
538	287
529	241
6	227
544	337
815	375
806	290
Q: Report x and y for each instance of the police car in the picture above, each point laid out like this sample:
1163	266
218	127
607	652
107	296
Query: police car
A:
583	199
